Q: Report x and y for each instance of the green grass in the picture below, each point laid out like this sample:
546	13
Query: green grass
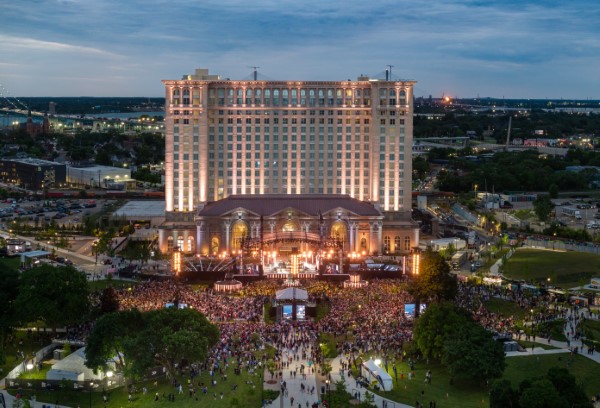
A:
323	309
29	344
591	330
565	269
585	370
105	283
327	342
505	308
467	394
36	374
246	395
464	394
554	328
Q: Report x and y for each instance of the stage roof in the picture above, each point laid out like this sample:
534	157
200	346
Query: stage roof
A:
270	204
292	294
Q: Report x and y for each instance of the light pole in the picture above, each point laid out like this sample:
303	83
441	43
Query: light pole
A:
329	404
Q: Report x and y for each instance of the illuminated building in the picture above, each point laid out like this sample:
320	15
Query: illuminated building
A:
278	138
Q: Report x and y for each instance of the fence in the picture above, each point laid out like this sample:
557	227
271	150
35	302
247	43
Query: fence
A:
562	245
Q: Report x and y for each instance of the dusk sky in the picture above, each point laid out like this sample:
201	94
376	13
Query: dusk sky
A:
497	48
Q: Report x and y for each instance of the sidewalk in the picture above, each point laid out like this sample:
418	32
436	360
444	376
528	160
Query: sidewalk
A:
352	387
294	385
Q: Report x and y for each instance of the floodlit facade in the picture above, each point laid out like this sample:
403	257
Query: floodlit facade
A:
253	137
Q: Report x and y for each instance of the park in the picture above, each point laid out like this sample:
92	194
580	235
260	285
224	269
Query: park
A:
224	350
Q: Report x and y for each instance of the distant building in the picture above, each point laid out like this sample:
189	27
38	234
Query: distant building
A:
107	177
32	174
35	129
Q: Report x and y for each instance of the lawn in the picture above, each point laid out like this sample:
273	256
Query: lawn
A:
585	370
464	394
246	395
565	269
29	343
591	331
505	308
115	283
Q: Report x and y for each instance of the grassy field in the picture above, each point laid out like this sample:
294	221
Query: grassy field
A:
591	331
565	269
115	283
585	370
249	393
467	394
505	308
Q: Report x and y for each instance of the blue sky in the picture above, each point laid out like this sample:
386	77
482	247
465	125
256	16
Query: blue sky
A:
498	48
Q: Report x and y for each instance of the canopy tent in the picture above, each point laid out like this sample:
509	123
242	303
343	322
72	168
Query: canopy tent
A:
379	374
292	294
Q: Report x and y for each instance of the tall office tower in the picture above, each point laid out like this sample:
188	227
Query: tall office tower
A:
252	137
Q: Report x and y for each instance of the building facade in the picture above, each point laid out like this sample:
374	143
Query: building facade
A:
33	174
227	138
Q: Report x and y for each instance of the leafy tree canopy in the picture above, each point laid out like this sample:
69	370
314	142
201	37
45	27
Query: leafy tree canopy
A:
434	283
57	296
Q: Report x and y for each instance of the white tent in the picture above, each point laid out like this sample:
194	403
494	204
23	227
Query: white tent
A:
292	294
72	367
374	372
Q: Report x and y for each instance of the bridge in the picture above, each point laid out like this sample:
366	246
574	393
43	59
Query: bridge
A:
555	151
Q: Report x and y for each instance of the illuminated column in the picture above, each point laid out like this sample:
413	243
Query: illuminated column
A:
379	236
372	242
200	230
355	246
227	225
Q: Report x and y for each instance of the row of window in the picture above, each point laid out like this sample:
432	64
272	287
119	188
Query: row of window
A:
397	244
286	97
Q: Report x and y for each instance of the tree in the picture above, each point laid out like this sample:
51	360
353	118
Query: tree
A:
58	296
141	341
109	302
471	352
542	394
434	283
502	395
566	385
543	206
435	326
553	190
9	288
111	335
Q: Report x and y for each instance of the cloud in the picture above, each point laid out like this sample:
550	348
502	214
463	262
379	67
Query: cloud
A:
33	44
467	43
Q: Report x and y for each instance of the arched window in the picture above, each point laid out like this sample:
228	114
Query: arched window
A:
397	243
214	246
363	244
386	244
190	244
339	231
170	243
239	233
180	243
407	243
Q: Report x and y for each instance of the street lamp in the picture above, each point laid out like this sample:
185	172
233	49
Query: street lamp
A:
328	394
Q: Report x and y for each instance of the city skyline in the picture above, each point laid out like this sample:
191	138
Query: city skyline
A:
512	49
